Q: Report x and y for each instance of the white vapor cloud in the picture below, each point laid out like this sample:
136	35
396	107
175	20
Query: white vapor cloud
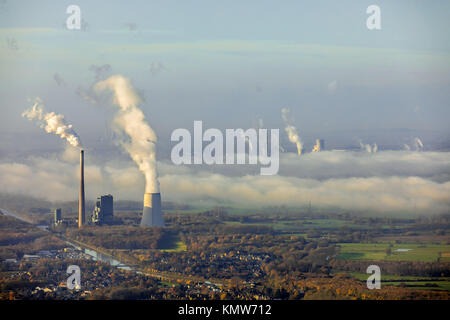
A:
368	148
394	194
332	87
291	130
388	182
156	67
418	144
52	123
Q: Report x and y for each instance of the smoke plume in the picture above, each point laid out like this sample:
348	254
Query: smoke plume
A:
156	67
316	147
100	71
291	131
131	121
368	148
418	144
52	123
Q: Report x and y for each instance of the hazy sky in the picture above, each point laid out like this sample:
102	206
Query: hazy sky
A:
229	63
232	64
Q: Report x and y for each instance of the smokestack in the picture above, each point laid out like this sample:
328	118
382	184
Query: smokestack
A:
152	215
81	211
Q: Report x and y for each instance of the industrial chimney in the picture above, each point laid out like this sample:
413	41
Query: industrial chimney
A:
152	215
81	210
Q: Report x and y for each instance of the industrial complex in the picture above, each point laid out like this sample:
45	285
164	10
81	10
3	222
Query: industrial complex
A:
103	212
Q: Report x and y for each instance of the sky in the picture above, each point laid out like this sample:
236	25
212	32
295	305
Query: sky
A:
230	64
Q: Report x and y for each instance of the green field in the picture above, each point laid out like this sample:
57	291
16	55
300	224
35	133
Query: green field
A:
424	283
303	225
331	224
377	251
178	246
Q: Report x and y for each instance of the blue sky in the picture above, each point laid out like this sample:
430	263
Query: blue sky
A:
230	63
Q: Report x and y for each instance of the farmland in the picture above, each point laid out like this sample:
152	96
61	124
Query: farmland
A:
426	283
427	252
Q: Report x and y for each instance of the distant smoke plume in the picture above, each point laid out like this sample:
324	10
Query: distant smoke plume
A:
291	130
418	144
52	123
131	120
368	148
88	95
59	80
332	87
316	147
100	71
156	67
131	26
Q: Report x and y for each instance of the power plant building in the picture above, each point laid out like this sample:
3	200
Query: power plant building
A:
104	210
322	144
58	216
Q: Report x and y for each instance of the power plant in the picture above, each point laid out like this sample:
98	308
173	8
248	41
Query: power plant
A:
104	210
141	147
81	203
320	145
58	216
152	215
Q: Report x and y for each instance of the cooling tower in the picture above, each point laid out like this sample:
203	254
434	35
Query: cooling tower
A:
322	144
81	211
152	215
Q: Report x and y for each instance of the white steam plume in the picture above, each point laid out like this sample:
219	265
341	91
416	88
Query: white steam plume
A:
316	147
131	120
52	123
418	144
291	131
368	148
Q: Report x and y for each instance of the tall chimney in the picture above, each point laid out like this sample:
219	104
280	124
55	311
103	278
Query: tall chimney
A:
81	213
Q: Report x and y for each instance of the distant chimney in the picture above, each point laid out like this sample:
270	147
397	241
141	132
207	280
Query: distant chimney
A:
81	209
